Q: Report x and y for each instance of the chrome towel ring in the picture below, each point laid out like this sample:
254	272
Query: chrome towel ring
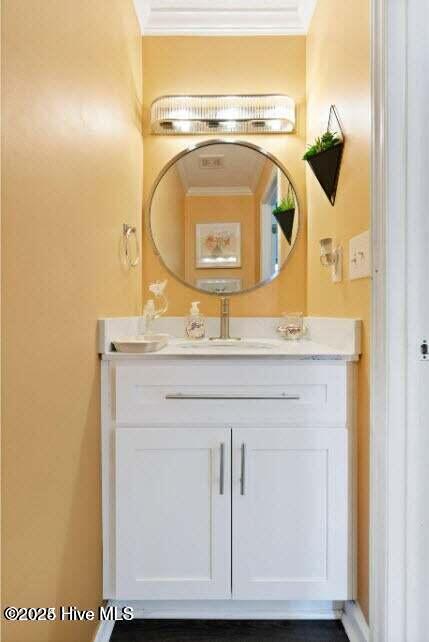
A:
129	231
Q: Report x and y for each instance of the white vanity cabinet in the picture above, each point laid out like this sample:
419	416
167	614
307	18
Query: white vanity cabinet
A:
289	517
173	513
227	479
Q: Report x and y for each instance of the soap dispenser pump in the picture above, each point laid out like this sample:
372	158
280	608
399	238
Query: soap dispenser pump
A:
195	325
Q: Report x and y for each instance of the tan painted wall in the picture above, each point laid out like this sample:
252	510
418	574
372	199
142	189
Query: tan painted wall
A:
204	65
169	224
73	174
227	209
338	71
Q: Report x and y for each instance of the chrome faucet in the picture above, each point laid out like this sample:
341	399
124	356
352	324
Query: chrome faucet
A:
224	321
224	318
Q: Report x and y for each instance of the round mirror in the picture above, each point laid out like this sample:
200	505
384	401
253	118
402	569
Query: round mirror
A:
224	217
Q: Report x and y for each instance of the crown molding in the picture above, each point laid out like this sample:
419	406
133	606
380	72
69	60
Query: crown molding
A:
224	17
220	191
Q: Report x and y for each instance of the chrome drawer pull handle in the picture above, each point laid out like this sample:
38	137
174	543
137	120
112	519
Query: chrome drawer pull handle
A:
243	470
282	397
222	470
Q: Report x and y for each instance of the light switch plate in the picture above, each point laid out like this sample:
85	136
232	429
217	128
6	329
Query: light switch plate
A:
359	256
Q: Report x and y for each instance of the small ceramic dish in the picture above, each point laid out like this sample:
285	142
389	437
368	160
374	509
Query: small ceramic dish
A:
142	343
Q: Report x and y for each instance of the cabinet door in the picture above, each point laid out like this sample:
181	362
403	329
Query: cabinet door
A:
173	513
290	514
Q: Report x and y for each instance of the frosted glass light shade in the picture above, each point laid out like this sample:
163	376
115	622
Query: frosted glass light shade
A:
258	114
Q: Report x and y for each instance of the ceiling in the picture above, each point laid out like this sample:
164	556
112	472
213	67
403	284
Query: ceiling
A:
224	17
239	173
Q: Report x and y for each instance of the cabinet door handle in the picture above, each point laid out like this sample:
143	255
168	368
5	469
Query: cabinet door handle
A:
282	397
222	470
243	470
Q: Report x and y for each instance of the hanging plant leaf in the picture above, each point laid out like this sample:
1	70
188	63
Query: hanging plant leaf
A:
326	168
285	219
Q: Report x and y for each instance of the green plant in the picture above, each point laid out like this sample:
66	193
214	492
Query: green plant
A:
285	204
322	143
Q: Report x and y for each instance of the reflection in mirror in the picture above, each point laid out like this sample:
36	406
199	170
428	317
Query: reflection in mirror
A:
212	221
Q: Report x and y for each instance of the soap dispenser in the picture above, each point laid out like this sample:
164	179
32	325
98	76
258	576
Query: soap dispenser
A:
195	325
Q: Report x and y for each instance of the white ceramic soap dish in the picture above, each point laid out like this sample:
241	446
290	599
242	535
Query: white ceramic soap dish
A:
141	343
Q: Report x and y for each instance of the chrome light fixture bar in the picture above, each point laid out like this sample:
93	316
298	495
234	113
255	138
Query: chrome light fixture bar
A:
245	114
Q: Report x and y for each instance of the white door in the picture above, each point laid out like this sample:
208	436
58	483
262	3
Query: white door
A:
415	265
290	514
269	251
173	520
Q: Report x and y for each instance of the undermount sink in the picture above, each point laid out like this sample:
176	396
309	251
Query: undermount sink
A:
233	344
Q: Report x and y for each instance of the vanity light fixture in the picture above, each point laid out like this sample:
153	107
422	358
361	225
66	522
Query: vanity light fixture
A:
332	257
241	114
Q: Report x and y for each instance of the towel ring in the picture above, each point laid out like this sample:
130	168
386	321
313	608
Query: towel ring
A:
128	231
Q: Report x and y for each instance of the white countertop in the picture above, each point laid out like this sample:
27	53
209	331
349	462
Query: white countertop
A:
327	338
302	349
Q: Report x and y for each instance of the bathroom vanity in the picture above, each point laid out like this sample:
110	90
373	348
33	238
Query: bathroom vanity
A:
228	474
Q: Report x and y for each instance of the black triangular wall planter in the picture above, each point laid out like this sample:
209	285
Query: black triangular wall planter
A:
285	220
326	168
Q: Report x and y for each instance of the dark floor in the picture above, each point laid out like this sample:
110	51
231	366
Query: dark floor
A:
229	631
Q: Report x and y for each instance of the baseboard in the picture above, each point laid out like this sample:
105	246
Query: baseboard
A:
234	609
352	617
104	631
354	623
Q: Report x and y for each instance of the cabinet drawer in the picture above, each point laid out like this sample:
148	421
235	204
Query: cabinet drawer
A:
199	391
